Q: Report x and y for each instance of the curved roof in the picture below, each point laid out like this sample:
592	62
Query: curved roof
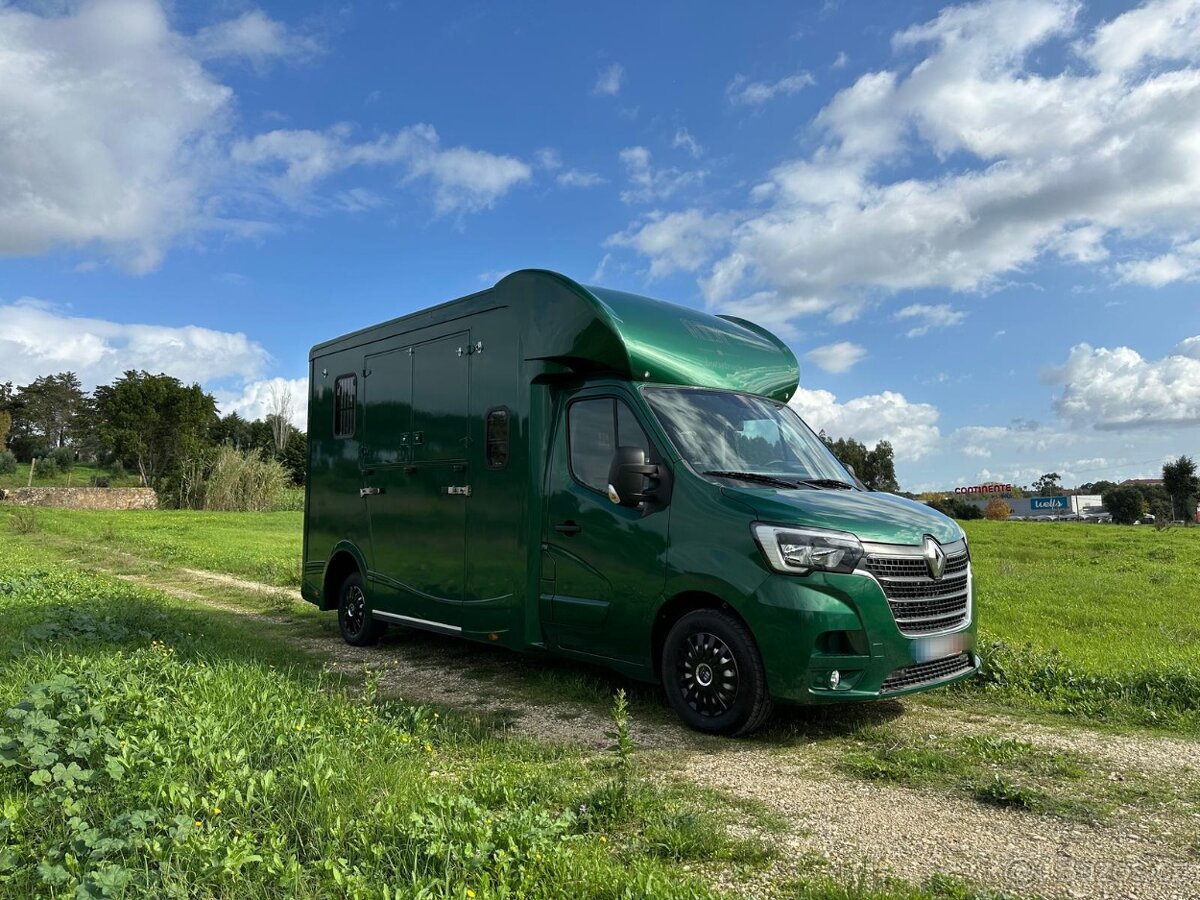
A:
595	329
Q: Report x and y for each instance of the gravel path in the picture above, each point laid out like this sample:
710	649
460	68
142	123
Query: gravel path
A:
885	829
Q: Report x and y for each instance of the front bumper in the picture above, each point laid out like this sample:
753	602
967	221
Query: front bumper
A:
821	623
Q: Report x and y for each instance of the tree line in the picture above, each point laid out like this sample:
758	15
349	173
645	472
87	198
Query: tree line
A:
166	431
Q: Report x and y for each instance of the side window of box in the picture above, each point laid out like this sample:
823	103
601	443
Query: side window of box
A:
345	397
496	438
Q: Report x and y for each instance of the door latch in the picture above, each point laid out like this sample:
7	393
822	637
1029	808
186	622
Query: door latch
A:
370	492
457	490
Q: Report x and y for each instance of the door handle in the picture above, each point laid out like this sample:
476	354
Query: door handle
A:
369	492
568	528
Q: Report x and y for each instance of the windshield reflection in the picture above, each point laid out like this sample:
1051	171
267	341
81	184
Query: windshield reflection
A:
730	432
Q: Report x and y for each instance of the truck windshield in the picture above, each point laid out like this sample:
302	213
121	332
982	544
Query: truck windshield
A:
731	434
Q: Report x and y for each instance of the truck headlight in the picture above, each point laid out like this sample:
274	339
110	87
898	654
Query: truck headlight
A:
798	551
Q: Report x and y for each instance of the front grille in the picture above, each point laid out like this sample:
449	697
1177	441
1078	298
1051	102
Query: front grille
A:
919	604
927	672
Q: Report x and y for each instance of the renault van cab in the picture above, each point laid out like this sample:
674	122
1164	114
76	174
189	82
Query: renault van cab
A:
555	467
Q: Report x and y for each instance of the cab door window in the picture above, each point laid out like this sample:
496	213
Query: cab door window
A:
596	427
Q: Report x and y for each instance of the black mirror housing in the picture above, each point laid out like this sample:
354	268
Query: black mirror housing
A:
627	477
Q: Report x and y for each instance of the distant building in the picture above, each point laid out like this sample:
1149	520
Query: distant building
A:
1141	482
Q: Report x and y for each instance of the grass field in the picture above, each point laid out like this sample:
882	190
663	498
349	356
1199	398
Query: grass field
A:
1076	619
154	747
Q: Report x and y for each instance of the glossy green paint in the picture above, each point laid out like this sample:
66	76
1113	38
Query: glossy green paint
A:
493	564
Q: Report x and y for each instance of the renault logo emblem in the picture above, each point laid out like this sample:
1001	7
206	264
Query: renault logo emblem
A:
935	558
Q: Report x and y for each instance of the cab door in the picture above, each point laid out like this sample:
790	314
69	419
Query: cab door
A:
604	565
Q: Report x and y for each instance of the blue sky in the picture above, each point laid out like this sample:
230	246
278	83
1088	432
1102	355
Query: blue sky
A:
978	226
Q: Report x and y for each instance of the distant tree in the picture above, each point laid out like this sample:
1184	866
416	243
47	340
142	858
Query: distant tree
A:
881	469
50	407
6	420
156	422
295	457
997	510
1049	485
233	430
1096	487
279	416
1125	504
1182	485
876	468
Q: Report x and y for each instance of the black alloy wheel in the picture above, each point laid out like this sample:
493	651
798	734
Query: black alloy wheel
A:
359	628
713	674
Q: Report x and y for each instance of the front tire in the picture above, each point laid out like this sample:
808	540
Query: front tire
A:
713	674
359	628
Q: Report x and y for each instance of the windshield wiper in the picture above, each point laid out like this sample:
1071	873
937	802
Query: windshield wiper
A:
827	483
754	476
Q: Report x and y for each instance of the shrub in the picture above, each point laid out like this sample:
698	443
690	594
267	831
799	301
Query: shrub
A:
8	462
47	467
1125	504
243	481
64	459
23	520
997	510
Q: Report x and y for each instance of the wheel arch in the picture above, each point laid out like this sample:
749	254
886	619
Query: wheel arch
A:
678	606
344	560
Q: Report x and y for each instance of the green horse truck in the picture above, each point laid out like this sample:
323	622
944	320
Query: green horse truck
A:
596	474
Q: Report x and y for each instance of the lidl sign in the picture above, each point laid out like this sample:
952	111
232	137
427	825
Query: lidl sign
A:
1049	503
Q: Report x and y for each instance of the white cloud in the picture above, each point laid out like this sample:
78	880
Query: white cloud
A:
683	139
578	178
1117	389
941	315
106	131
910	427
1164	30
679	241
114	138
837	358
38	339
257	400
608	82
463	179
1066	159
548	158
255	37
647	183
1183	264
840	61
744	92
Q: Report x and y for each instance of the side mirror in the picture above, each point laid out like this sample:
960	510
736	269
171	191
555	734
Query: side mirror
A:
627	477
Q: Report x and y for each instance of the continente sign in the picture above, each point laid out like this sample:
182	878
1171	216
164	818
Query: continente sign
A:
990	488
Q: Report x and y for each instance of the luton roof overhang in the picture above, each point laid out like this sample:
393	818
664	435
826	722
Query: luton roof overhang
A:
596	330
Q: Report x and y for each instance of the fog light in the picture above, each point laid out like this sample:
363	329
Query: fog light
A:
835	678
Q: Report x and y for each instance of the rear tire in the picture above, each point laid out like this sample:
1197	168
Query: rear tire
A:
713	674
359	628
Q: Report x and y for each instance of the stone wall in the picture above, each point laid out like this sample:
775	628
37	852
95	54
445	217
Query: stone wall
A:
82	497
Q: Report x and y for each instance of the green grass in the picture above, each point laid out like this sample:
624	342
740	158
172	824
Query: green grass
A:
80	476
148	749
1085	621
1108	597
1089	620
262	547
